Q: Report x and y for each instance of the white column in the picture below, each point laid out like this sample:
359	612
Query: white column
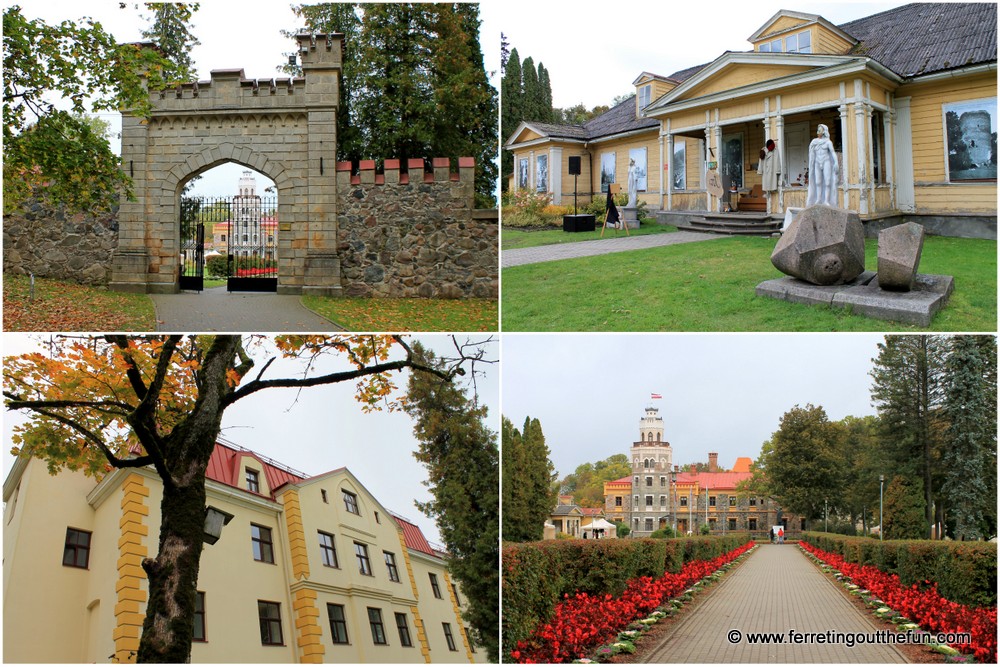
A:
708	158
555	174
669	171
844	168
859	137
531	171
779	131
661	169
888	123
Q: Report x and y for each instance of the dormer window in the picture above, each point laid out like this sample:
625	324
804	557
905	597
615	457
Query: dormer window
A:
644	94
799	43
253	480
773	47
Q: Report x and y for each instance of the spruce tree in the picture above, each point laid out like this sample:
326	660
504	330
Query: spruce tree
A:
462	460
338	17
511	111
532	104
545	86
527	480
969	469
907	391
171	31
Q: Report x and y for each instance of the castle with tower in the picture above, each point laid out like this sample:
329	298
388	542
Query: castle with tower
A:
659	495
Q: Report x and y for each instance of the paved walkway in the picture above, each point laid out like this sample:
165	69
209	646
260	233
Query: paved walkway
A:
551	253
216	309
776	590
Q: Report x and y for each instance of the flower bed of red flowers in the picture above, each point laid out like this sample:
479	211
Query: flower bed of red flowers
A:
247	273
581	622
923	605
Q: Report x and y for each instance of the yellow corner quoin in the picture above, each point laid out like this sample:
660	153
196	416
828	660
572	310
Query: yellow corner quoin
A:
418	623
310	636
458	617
128	618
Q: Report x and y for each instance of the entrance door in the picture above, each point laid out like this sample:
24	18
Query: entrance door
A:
253	244
192	257
731	164
796	153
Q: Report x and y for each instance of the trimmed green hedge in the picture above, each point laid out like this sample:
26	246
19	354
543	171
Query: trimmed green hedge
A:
965	572
537	574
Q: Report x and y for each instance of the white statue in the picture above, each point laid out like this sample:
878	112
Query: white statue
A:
633	184
822	170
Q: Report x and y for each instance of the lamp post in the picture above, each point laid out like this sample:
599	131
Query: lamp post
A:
673	497
881	482
826	517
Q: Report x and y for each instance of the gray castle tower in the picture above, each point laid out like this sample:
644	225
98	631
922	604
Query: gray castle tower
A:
652	461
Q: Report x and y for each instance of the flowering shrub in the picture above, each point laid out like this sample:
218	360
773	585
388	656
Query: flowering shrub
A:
965	572
921	603
583	621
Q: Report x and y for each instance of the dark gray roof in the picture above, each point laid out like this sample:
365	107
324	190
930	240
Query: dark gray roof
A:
928	37
910	40
560	131
620	118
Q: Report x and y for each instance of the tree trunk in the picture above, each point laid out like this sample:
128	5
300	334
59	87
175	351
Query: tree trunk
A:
173	576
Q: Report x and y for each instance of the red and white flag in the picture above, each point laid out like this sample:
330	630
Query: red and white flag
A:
655	397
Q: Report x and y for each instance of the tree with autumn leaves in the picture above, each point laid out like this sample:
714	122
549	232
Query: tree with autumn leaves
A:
99	403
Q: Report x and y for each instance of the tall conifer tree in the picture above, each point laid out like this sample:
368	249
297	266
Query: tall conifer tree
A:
969	460
511	110
171	30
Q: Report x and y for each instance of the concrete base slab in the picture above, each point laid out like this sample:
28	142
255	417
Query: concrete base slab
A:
863	296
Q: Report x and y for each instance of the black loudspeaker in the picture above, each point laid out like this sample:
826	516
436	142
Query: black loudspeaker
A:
574	165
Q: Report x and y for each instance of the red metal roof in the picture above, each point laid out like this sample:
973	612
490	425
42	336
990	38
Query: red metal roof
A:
223	467
713	480
413	537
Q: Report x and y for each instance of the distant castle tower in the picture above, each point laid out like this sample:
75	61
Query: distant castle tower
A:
652	461
977	135
248	184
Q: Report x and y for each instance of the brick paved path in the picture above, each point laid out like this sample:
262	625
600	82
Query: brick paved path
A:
216	309
551	253
777	589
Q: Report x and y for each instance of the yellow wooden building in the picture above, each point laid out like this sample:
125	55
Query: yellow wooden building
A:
909	97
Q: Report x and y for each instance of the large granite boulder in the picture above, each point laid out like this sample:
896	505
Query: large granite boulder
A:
899	249
823	246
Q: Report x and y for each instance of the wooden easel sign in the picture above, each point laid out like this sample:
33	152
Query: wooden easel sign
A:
614	189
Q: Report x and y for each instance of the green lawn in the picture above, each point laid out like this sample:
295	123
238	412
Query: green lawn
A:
397	315
709	286
65	306
511	238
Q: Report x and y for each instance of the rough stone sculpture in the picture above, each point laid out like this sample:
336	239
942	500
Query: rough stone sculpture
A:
899	249
823	246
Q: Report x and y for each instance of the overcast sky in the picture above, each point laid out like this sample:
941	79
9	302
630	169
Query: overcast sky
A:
326	429
722	393
232	35
594	51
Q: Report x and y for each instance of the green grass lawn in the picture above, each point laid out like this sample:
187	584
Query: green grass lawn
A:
65	306
709	286
511	238
397	315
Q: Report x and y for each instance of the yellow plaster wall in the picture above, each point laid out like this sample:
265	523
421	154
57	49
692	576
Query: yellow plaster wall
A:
33	548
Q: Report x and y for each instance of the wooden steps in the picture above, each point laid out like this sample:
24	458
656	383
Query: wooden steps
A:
745	224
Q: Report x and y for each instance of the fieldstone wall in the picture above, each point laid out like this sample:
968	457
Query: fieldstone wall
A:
50	243
415	233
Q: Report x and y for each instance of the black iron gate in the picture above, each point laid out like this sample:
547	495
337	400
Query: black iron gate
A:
244	240
192	275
